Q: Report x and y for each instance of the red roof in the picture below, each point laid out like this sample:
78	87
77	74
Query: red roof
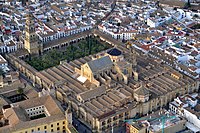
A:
147	47
192	68
8	31
180	33
161	39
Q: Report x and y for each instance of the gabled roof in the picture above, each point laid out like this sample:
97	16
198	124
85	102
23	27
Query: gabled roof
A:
93	93
100	64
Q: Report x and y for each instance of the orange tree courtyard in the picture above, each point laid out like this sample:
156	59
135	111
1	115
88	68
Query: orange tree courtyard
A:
72	52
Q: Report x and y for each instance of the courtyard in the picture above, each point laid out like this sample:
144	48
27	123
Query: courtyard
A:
83	48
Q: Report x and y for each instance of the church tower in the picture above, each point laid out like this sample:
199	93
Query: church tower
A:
32	42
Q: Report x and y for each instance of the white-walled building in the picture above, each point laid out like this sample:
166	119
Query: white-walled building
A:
3	64
155	22
116	34
9	46
188	107
49	35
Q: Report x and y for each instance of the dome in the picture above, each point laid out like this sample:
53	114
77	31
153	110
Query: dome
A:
114	52
141	94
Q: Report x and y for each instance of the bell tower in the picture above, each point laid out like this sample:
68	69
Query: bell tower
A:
32	42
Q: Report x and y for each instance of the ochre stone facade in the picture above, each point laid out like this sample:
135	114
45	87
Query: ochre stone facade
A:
32	43
111	93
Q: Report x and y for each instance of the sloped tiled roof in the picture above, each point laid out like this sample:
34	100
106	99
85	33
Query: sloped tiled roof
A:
93	93
18	118
100	64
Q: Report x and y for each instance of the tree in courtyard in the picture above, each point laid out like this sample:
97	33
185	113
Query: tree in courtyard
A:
90	46
72	50
20	90
89	43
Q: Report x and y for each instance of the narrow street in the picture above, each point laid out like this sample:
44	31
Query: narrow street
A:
82	128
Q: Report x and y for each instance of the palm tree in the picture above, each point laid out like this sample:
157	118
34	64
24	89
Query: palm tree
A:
72	50
89	44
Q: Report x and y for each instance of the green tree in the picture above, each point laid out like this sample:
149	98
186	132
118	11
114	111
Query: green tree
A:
20	90
83	48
